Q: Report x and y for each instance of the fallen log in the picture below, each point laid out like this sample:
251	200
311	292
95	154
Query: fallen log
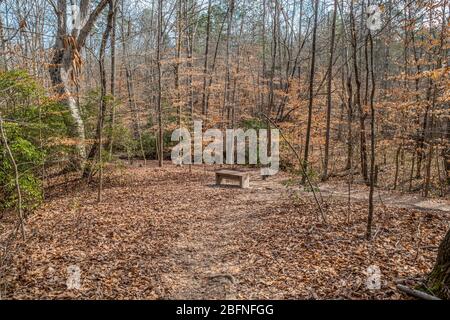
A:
416	293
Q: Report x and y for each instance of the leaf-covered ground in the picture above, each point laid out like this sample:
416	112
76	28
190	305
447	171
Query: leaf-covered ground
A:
168	233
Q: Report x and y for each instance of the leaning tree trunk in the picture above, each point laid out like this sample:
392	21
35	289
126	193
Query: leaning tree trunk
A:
66	62
61	73
439	279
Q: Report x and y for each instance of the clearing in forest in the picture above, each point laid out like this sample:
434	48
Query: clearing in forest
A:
171	234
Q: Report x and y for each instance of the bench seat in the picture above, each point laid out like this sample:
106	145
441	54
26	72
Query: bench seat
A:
242	177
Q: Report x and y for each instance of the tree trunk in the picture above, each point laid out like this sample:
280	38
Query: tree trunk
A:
3	59
130	89
397	158
96	149
439	279
311	89
359	107
205	67
60	74
329	88
159	94
446	152
66	64
227	86
112	119
179	103
372	143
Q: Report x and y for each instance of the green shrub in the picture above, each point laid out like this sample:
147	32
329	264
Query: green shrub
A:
34	126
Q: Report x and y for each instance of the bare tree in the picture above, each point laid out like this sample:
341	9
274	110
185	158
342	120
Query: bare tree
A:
311	88
329	88
159	87
372	142
66	62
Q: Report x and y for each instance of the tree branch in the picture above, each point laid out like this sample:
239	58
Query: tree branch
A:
86	29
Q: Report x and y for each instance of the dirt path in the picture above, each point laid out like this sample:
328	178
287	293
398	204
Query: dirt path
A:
390	198
207	251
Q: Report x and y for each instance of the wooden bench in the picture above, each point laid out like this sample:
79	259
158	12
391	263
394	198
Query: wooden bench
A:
242	177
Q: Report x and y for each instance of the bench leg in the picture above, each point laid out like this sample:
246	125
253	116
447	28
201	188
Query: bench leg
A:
245	182
218	180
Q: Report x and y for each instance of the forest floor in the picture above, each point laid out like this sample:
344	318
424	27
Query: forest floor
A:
166	233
